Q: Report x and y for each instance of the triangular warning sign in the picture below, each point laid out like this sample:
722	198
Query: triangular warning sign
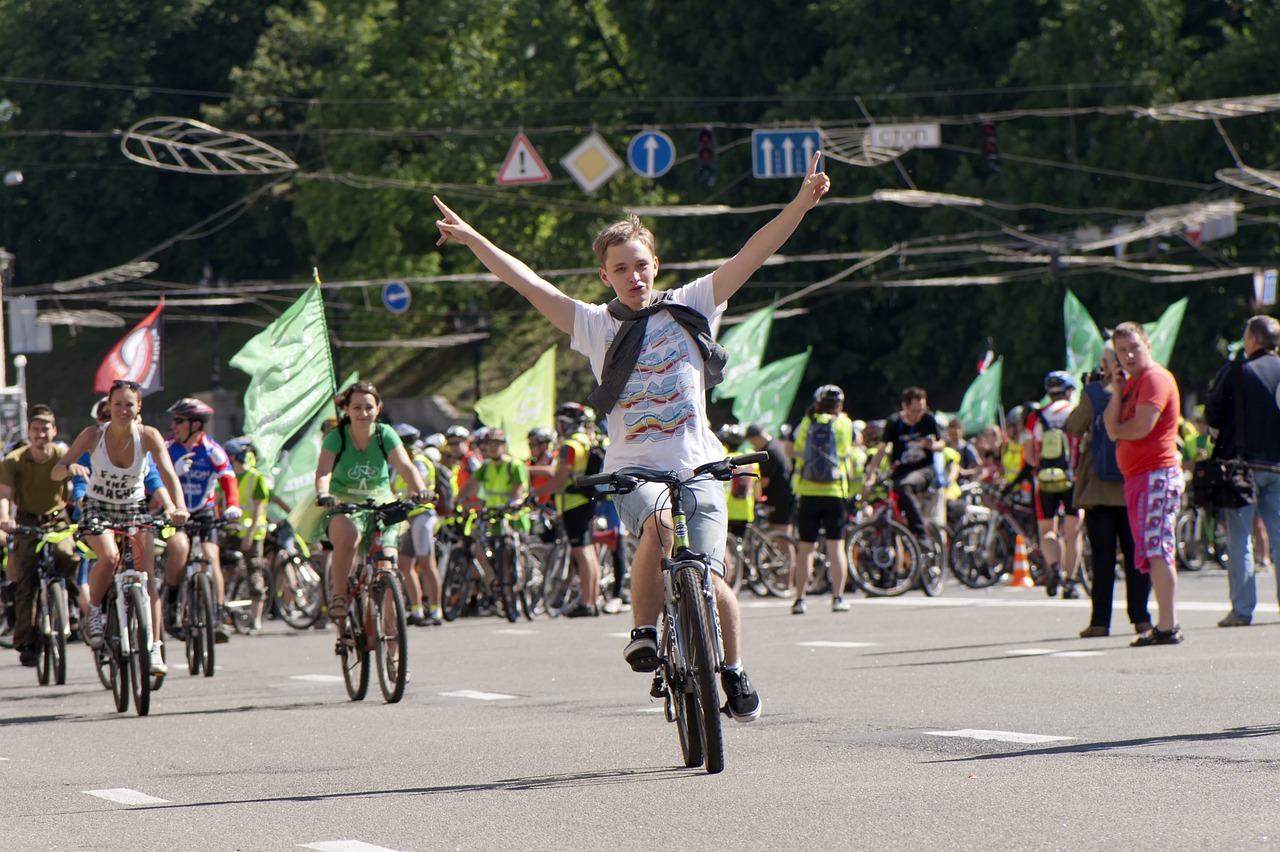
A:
523	165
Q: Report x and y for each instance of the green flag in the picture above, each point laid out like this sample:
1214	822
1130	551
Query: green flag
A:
527	402
1084	341
744	346
767	400
295	480
292	375
980	406
1164	332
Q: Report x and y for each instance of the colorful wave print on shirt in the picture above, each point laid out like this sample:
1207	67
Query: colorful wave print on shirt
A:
659	402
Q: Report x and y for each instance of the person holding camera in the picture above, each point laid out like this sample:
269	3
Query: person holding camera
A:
1259	382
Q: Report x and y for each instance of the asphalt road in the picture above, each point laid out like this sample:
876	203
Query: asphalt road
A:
974	721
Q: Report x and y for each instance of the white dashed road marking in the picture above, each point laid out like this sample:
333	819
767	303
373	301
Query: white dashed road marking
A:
1001	736
821	643
1049	652
317	678
344	846
515	631
125	796
477	695
649	710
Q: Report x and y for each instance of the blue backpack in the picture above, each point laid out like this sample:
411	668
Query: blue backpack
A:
1101	447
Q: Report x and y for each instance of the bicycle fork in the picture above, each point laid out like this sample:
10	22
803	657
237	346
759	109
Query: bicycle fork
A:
124	582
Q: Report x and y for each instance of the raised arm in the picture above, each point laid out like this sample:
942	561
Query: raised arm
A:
727	280
549	301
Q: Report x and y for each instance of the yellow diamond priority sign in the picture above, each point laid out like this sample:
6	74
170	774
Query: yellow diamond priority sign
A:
592	163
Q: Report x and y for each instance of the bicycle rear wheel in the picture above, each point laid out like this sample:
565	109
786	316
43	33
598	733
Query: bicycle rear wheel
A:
524	584
355	650
557	579
981	555
393	640
933	562
681	707
774	558
58	629
298	593
239	603
735	563
504	567
140	655
192	637
203	621
699	640
884	559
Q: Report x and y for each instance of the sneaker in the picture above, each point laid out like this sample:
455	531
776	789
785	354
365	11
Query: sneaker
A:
642	652
1070	592
27	655
743	702
1156	636
1054	581
1094	631
221	633
158	666
797	608
613	606
838	604
418	619
433	618
582	611
95	627
1233	620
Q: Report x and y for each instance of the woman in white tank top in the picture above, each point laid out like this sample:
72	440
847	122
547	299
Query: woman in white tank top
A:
118	452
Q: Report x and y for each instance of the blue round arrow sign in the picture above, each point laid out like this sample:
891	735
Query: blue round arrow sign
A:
395	297
651	153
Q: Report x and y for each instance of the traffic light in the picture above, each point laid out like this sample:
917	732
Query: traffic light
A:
990	147
708	158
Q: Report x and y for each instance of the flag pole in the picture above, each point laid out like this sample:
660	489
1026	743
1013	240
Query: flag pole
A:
328	348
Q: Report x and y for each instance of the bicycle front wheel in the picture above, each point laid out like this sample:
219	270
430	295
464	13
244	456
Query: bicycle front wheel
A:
56	649
699	640
355	650
117	661
884	559
933	562
454	586
203	621
504	566
681	709
980	554
1192	551
43	637
140	654
774	559
393	641
298	593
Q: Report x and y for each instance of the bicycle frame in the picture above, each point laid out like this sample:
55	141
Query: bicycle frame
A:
682	554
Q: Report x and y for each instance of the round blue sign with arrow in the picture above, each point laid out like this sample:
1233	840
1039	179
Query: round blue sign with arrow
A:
395	296
651	153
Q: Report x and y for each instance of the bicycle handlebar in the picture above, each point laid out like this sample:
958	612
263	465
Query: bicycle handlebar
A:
627	479
94	525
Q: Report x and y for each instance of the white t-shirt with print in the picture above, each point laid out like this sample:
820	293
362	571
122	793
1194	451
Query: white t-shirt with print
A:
660	420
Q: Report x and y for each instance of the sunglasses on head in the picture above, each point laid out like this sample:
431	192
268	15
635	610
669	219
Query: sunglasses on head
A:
125	383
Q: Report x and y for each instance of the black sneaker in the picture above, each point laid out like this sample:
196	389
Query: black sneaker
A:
27	655
642	652
1070	592
417	619
743	702
582	611
1055	580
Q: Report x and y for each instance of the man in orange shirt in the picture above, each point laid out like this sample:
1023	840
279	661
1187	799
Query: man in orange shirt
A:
1142	418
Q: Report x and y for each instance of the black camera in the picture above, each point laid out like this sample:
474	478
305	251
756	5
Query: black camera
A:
1097	375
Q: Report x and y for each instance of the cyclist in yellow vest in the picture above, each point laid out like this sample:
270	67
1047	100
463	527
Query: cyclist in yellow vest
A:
576	510
823	445
503	482
742	491
418	559
249	533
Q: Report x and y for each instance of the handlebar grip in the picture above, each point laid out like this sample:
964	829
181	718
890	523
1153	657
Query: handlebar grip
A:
749	458
593	480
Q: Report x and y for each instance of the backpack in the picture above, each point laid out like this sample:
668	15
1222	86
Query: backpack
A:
444	488
595	464
821	459
1101	447
1053	473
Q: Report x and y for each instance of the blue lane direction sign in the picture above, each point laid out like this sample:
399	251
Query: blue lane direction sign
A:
651	153
783	153
395	297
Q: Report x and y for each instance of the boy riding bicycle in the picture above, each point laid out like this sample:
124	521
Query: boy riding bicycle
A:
650	354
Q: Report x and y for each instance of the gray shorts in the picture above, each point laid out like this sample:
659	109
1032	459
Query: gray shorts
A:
708	525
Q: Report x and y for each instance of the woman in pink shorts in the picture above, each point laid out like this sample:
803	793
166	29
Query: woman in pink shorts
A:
1142	418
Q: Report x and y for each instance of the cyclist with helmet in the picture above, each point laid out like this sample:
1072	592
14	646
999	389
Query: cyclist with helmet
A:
356	458
250	534
202	466
499	482
823	449
741	492
576	509
914	435
1059	541
541	461
418	557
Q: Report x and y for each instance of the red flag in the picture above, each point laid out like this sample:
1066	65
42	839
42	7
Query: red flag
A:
136	358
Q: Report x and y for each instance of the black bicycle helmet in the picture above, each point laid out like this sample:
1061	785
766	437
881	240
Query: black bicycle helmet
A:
408	433
573	414
192	409
731	435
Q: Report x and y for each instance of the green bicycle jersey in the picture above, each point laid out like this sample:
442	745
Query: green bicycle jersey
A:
498	481
360	475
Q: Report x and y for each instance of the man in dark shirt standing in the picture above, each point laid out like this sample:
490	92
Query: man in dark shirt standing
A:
1260	383
775	477
915	436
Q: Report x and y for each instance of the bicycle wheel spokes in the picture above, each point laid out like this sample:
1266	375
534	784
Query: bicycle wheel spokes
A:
393	641
976	556
883	557
299	596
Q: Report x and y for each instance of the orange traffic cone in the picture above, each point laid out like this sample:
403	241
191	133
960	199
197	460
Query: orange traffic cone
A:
1021	569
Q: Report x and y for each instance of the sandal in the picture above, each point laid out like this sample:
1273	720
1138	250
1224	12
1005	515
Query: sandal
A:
1159	637
337	610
